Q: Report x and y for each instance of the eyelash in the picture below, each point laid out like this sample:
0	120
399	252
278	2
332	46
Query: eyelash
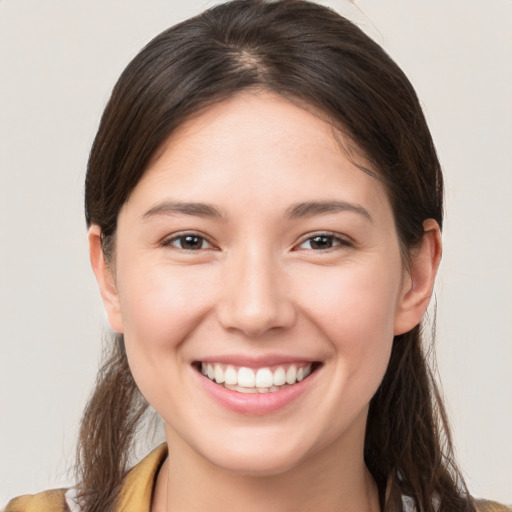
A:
170	242
334	239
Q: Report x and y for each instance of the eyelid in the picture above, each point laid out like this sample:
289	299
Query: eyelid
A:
343	240
168	240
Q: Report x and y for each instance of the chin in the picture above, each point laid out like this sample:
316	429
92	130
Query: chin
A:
259	465
256	458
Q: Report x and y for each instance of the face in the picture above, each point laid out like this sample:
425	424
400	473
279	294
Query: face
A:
255	252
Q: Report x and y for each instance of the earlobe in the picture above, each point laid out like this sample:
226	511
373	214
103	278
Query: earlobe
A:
418	287
105	279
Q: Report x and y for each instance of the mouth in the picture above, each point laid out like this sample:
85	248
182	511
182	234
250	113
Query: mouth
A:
267	379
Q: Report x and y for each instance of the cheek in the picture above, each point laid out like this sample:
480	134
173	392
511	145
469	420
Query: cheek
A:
355	304
355	310
160	308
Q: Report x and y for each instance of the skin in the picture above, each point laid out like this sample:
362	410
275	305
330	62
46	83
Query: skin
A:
255	285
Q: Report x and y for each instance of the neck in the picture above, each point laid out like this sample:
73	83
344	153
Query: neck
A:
329	480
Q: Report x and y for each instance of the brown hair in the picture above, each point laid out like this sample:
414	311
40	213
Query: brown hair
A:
310	54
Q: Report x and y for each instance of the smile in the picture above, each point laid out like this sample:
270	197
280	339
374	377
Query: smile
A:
256	380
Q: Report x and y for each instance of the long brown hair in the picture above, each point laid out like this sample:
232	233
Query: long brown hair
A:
310	54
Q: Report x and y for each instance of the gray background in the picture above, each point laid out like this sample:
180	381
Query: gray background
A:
58	62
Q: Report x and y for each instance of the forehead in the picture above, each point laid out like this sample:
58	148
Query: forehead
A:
269	118
260	148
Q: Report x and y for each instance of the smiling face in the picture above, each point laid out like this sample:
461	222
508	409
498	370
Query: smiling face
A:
259	284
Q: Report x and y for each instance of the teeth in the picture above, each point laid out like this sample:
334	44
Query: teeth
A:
231	376
246	378
291	374
279	377
262	380
273	389
241	389
219	374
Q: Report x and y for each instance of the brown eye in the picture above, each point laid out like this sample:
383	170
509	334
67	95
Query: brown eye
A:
189	242
322	242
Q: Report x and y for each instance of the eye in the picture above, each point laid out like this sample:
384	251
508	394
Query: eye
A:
188	242
322	242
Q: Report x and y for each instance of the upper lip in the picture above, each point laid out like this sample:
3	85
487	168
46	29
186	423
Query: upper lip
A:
256	361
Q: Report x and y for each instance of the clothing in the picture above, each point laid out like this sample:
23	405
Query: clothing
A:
137	490
135	495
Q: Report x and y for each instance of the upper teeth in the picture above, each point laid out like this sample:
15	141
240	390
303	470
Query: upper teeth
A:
260	379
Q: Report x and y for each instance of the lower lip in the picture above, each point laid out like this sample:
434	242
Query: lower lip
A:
256	404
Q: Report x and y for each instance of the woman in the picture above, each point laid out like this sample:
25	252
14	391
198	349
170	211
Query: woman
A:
264	204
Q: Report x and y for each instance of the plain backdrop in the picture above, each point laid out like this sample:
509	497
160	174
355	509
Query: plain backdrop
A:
58	62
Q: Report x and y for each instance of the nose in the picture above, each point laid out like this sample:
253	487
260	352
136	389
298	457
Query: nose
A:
255	298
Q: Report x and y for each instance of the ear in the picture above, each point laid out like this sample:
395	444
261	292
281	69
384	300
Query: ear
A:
419	279
105	278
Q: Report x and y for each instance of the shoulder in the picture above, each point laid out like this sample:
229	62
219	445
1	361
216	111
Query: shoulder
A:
47	501
135	494
491	506
408	505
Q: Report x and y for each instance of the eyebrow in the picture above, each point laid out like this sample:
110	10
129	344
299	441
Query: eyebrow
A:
179	207
295	211
311	208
